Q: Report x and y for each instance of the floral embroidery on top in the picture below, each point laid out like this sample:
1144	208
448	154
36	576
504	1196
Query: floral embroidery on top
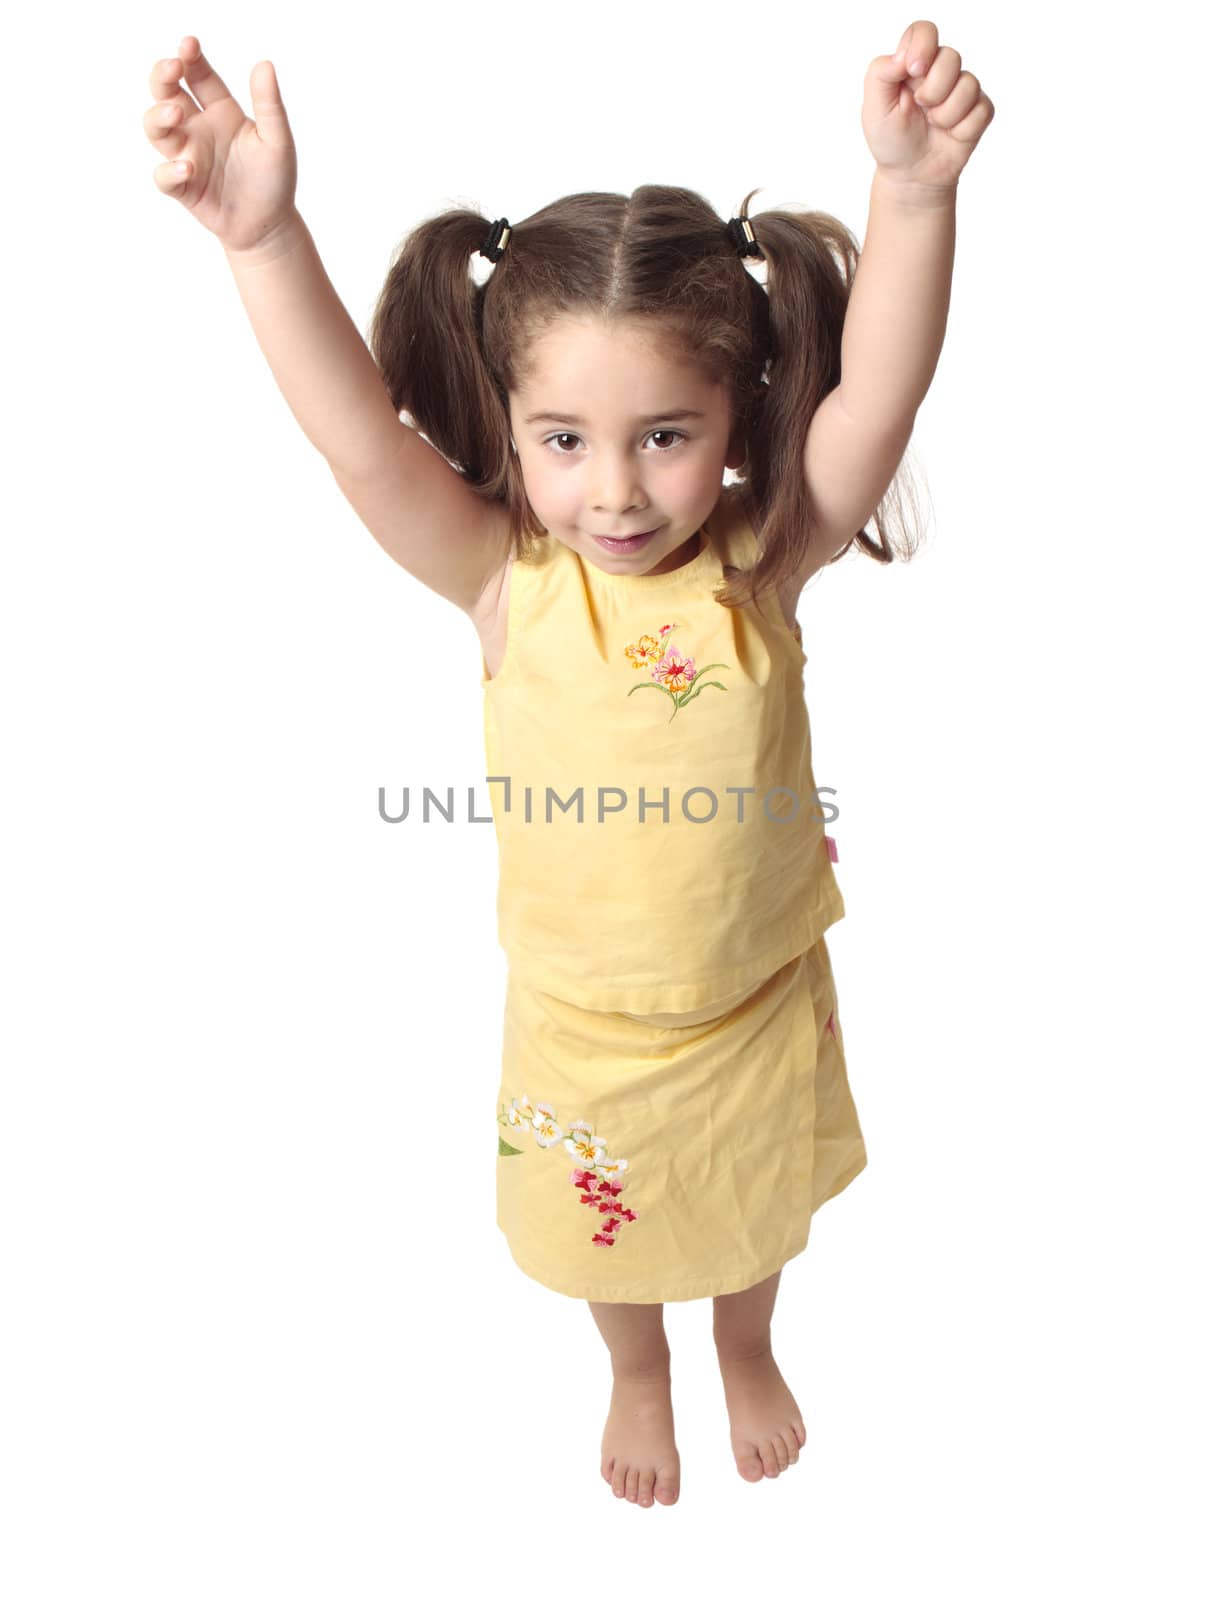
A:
595	1174
677	675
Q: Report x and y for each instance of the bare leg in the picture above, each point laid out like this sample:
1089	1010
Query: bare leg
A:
766	1428
638	1454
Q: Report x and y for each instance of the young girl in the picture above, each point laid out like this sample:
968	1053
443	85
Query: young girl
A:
674	1104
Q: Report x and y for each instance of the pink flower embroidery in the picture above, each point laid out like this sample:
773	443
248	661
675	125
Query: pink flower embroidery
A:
676	675
595	1174
674	670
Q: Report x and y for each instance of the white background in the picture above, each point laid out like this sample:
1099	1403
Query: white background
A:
261	1335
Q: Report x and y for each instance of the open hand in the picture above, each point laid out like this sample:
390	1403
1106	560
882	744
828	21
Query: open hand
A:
240	175
922	114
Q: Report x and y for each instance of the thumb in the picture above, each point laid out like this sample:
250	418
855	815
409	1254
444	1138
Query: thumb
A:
268	111
889	80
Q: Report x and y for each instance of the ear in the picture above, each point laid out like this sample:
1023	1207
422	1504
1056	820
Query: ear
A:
736	450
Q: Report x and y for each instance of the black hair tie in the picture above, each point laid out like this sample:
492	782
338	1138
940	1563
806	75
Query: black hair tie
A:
743	237
496	242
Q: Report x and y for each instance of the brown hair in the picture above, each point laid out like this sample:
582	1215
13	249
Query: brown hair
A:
450	350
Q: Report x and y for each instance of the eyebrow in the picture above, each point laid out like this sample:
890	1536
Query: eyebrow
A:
580	422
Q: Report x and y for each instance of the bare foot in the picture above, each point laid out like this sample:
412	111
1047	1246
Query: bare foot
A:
766	1429
638	1454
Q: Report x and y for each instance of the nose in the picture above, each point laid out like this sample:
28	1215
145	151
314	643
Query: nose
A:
617	485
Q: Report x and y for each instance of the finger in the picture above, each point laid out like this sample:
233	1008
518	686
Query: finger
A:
169	181
917	47
888	70
939	79
268	109
887	86
200	75
972	126
166	84
956	104
163	123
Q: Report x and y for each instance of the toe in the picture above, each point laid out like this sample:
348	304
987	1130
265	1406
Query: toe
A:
800	1432
769	1457
631	1483
747	1459
667	1486
646	1486
781	1451
619	1479
791	1445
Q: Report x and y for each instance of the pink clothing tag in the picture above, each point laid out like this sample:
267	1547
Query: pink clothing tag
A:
832	853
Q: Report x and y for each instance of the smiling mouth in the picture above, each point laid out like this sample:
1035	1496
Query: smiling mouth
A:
632	541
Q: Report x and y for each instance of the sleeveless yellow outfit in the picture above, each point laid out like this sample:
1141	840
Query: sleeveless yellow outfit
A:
674	1102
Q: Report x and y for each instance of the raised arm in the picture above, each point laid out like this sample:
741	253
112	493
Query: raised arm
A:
238	181
317	356
404	491
923	116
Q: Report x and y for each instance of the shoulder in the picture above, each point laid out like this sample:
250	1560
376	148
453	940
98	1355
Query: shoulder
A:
514	574
506	596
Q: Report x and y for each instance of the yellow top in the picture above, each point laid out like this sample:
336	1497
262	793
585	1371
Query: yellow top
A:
626	714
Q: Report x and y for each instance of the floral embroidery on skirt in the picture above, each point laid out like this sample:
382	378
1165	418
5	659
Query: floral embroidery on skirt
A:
596	1174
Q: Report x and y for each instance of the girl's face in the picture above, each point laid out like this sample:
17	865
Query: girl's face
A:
615	437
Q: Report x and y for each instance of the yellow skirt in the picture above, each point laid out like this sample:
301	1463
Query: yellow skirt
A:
641	1162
